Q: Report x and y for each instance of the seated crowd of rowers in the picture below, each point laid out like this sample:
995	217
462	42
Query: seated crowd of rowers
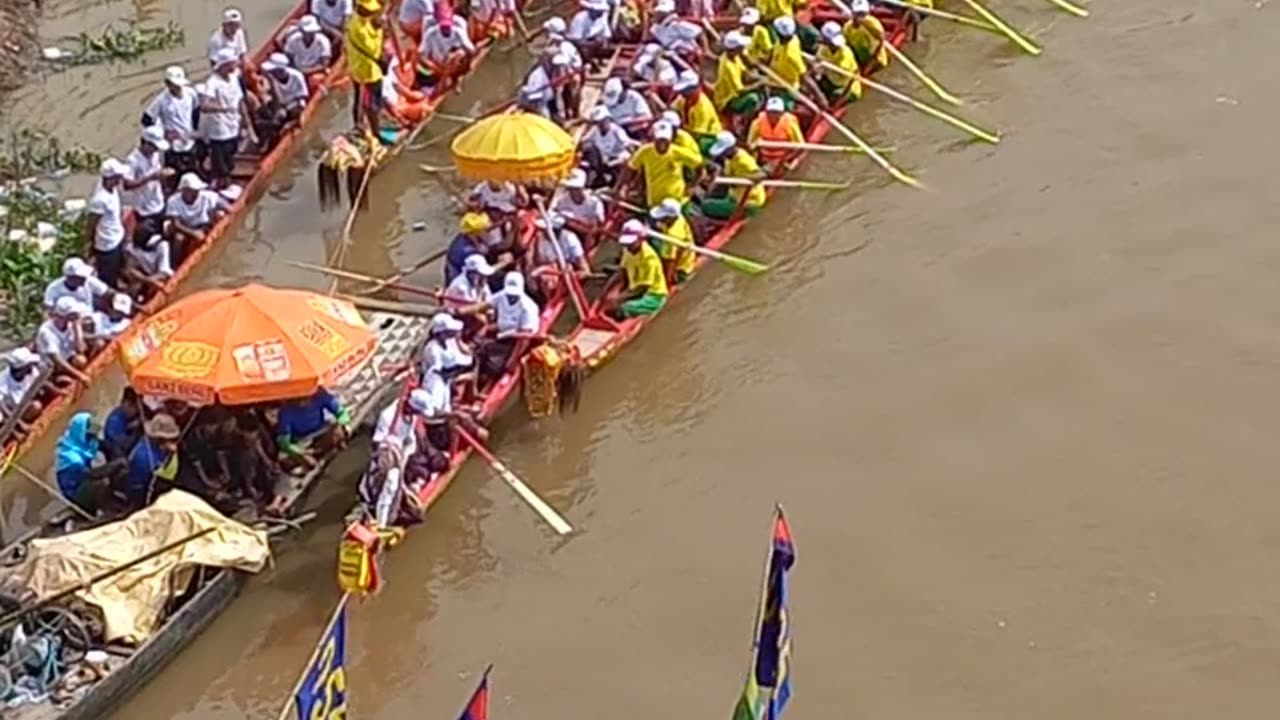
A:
657	129
149	212
230	456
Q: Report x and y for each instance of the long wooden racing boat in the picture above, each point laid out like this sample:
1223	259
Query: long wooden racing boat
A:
599	337
128	669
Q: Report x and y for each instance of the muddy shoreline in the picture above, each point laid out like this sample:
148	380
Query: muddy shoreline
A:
17	42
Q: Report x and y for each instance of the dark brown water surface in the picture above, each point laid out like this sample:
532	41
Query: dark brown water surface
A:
1022	422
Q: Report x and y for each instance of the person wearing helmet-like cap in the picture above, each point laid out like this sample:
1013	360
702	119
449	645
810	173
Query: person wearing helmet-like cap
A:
787	59
148	265
557	246
105	220
310	51
446	48
760	39
582	209
543	89
61	343
190	213
662	165
590	30
673	33
679	136
837	86
414	17
468	295
626	105
775	124
173	111
668	218
732	95
731	161
516	318
333	16
606	147
645	291
697	113
289	92
103	326
866	37
229	36
78	282
446	353
144	183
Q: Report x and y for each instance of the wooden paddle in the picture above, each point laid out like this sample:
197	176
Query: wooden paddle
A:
817	147
348	275
386	282
934	86
1071	8
923	107
787	183
943	14
540	506
1017	37
52	491
741	264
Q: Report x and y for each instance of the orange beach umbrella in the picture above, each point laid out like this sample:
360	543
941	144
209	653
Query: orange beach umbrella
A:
247	345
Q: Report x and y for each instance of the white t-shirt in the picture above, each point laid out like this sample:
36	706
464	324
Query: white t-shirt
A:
440	402
448	354
435	46
630	106
106	204
502	199
389	425
413	11
86	294
309	57
52	342
104	328
148	198
677	35
584	27
537	87
12	390
486	10
226	95
236	42
293	89
570	247
590	210
462	292
176	113
613	145
569	50
332	15
197	215
520	316
157	260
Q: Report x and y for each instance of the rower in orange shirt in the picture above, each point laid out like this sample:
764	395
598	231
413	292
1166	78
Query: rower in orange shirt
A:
777	125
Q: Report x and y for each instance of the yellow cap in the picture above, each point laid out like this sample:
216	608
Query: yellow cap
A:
474	222
369	6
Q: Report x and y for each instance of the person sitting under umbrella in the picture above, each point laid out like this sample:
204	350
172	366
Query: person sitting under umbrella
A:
309	428
516	319
606	147
153	464
471	240
502	201
79	480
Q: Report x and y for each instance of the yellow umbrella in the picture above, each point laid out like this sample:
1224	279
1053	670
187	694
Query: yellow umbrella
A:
517	147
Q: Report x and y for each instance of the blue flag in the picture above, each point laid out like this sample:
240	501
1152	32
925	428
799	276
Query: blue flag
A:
769	682
322	694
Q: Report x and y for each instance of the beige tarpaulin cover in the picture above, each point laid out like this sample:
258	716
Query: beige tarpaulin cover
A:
133	601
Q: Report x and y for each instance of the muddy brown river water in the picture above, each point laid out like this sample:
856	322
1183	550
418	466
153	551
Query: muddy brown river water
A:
1021	421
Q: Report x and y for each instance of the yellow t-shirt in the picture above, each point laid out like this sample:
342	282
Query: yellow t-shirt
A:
363	50
664	172
770	9
742	164
644	268
787	61
842	57
686	141
729	80
701	118
761	46
865	38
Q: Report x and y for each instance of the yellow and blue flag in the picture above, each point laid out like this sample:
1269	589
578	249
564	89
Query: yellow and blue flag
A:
769	681
322	693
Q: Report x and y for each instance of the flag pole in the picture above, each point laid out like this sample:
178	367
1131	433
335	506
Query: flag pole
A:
760	607
315	653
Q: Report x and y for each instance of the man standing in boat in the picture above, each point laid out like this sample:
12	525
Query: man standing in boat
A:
662	166
363	48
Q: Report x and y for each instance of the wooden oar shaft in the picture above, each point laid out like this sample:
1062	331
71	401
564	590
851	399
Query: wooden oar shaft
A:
943	14
927	109
795	183
51	491
545	511
815	147
348	275
750	266
1018	39
925	79
385	282
1071	8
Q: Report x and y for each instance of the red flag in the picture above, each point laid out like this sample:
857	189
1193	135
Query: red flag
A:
478	706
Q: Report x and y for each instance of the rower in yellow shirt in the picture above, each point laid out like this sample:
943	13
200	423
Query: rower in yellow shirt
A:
697	113
641	269
771	10
679	137
363	50
662	164
732	96
761	40
735	162
838	87
668	219
866	37
787	61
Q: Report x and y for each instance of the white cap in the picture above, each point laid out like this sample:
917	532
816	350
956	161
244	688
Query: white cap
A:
309	23
860	6
176	75
632	232
612	89
154	240
837	41
224	56
734	40
278	59
559	59
122	304
749	16
665	210
419	400
477	263
577	178
513	284
687	80
75	267
22	357
652	49
724	141
664	6
232	15
662	131
154	134
785	25
191	181
67	305
555	26
775	104
598	113
445	322
830	30
671	117
599	5
112	167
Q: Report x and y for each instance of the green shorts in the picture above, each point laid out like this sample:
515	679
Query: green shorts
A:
842	92
748	103
646	304
723	208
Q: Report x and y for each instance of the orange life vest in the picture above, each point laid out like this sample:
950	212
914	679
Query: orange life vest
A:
781	132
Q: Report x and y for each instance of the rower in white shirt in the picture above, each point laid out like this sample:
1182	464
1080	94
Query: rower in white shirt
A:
288	86
555	29
106	221
230	34
557	248
672	33
445	352
468	295
584	211
61	343
16	381
413	18
332	15
589	28
173	110
446	49
77	282
606	146
626	106
541	91
144	183
651	63
148	264
516	316
308	49
104	326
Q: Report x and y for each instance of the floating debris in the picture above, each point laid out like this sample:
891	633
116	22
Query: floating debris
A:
111	44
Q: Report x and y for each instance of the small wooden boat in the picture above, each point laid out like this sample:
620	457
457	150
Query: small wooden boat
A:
399	337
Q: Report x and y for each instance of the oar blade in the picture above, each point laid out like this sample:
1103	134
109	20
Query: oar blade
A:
743	265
